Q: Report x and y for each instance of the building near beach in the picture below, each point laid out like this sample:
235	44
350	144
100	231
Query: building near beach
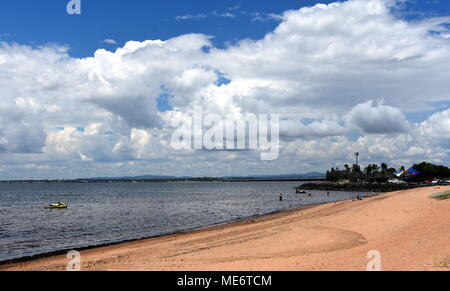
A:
412	175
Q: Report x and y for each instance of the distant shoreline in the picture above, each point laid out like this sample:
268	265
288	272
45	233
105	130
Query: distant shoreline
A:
97	181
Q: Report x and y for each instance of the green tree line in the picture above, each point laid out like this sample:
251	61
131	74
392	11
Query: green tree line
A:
382	172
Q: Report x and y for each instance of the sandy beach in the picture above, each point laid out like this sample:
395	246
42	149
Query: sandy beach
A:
409	229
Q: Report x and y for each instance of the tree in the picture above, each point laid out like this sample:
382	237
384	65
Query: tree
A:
356	168
392	170
375	168
375	172
368	170
347	168
356	173
347	171
432	171
333	175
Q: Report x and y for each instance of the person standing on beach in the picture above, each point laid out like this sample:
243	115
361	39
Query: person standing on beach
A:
281	196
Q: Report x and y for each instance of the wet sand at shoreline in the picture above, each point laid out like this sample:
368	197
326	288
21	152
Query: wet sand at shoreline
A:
409	229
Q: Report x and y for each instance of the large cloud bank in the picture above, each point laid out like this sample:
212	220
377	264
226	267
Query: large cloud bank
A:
343	77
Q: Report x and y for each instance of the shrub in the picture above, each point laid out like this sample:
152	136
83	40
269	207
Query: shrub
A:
441	196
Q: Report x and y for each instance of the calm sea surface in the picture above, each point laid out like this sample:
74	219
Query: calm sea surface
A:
108	213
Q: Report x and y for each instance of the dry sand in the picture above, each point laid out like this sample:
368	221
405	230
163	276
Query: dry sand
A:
410	230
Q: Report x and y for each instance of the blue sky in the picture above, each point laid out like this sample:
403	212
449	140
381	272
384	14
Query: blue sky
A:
46	21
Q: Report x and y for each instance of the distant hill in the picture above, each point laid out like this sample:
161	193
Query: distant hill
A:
289	176
146	177
155	177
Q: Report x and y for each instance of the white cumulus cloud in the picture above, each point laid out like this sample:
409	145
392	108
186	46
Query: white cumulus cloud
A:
320	69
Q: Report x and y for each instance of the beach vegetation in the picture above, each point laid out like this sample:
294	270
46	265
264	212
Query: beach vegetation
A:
441	196
371	173
383	173
445	263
